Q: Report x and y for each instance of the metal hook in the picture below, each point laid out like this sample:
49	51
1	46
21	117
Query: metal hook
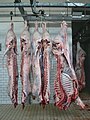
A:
11	14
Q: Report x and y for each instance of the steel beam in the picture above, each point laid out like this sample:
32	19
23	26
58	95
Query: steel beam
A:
51	17
31	17
46	4
58	18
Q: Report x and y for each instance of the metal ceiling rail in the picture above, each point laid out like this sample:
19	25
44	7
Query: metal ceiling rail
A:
51	17
46	4
58	18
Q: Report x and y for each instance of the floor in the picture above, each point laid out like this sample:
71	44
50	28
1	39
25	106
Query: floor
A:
36	112
50	112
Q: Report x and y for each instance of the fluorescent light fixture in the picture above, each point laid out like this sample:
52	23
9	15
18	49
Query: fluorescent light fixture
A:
77	15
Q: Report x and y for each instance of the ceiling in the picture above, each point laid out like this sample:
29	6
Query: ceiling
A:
54	11
5	12
78	1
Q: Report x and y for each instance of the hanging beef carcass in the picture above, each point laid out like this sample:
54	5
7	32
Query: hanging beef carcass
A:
63	85
68	56
66	90
64	38
25	63
79	68
60	95
66	86
45	66
36	39
12	67
66	47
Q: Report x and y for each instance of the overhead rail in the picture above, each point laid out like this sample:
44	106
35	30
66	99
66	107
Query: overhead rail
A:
51	17
41	15
46	4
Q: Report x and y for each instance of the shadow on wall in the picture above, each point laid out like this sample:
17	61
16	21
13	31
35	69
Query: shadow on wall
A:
86	47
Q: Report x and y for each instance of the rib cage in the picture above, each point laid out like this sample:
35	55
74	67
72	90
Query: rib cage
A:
67	84
60	96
